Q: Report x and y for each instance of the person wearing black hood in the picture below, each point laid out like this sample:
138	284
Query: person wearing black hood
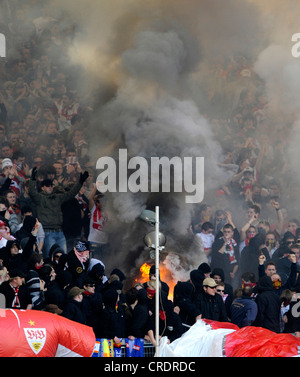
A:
96	272
196	279
284	248
52	293
57	258
250	254
115	282
136	313
112	320
268	306
11	255
183	298
25	231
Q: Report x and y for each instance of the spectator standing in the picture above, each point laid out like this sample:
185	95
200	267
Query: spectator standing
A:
268	306
243	310
73	308
48	205
211	305
15	291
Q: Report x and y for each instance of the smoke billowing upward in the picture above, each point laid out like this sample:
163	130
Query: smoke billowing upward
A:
146	67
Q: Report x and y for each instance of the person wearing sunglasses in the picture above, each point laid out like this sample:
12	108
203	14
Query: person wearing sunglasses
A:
210	303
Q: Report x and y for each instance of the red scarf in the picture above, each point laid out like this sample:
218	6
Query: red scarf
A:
16	301
87	293
98	219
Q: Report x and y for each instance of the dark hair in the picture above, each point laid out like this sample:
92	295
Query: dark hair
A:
207	225
26	209
255	208
249	276
131	296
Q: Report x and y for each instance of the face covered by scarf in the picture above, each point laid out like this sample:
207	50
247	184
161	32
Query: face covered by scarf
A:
81	251
276	284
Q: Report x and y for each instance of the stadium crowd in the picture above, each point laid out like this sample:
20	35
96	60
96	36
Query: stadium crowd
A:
52	217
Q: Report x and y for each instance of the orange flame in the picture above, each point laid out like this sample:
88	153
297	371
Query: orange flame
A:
165	276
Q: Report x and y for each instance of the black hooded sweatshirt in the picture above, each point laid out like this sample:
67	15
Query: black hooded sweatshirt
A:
250	254
183	298
268	305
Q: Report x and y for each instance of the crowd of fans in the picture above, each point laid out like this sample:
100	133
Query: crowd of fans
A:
52	216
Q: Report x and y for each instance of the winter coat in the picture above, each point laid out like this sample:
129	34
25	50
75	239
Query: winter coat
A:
183	295
250	254
137	318
48	206
112	320
268	306
243	311
212	307
222	260
73	310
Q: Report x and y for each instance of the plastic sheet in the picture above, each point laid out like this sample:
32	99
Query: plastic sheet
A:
223	339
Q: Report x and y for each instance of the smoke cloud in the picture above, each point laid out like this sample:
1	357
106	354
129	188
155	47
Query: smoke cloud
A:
145	69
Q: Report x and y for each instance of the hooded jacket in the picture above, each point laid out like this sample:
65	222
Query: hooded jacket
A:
268	306
249	256
183	298
112	322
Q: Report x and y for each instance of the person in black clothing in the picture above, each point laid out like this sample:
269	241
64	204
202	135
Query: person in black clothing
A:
211	305
77	262
57	258
97	274
250	254
196	279
115	281
26	229
15	291
278	284
11	256
170	324
225	253
92	305
64	280
183	299
218	275
136	313
53	294
268	306
72	220
152	276
73	308
112	320
35	285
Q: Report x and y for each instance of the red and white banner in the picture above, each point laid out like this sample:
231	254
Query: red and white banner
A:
223	339
34	333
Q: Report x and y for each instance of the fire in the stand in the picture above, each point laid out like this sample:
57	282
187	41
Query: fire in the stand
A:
165	275
144	273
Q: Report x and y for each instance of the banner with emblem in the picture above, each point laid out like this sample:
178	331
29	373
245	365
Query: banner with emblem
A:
34	333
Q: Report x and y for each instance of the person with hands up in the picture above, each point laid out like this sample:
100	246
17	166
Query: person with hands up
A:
48	206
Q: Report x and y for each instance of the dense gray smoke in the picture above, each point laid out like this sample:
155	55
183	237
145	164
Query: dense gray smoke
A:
146	69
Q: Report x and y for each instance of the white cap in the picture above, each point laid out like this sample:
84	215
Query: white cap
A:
6	162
